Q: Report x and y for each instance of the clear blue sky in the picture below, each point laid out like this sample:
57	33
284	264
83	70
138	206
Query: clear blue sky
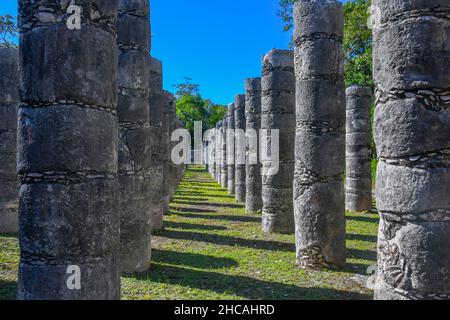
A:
218	43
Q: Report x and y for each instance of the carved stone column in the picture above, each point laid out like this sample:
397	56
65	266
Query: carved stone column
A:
412	135
319	196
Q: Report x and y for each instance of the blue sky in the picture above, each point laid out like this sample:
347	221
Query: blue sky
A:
218	43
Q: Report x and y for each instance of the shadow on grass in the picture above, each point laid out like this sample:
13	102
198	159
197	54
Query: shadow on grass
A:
8	290
185	198
181	225
362	254
192	260
231	241
192	210
212	204
9	235
245	287
363	219
189	193
235	218
362	237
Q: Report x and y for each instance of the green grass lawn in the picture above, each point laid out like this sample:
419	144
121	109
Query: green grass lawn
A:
212	250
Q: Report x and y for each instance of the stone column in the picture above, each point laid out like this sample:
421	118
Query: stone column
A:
212	153
278	113
231	149
412	135
239	123
168	108
9	101
253	203
135	157
320	140
218	152
173	168
67	153
157	105
224	166
358	191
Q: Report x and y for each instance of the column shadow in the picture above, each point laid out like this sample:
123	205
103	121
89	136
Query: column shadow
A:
192	260
230	241
8	290
242	286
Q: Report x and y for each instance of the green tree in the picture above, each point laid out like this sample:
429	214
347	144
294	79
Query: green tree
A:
191	107
8	31
187	88
357	39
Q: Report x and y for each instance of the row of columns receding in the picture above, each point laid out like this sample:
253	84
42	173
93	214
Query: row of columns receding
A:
91	130
91	171
325	144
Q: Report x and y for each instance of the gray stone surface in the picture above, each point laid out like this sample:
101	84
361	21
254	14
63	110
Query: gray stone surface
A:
239	124
224	166
218	153
138	174
253	202
231	150
319	198
358	188
212	152
9	101
412	135
157	105
278	113
67	152
167	148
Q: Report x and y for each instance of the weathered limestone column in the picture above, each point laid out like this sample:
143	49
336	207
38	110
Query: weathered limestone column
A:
253	202
169	106
218	152
319	197
239	123
278	113
358	190
231	150
212	153
9	101
135	157
155	182
412	134
224	166
222	148
67	153
173	168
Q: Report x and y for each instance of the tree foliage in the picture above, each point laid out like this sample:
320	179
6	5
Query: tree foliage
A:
8	31
357	39
191	107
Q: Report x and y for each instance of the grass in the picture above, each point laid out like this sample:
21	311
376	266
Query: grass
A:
212	250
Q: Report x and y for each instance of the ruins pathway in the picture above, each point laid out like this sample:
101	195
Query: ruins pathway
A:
212	250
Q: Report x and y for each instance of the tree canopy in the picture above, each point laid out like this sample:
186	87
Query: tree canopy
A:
8	31
191	107
357	39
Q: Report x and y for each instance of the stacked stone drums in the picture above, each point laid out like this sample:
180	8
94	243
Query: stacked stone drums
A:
358	189
240	148
135	159
412	136
278	116
67	152
320	138
253	202
9	101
